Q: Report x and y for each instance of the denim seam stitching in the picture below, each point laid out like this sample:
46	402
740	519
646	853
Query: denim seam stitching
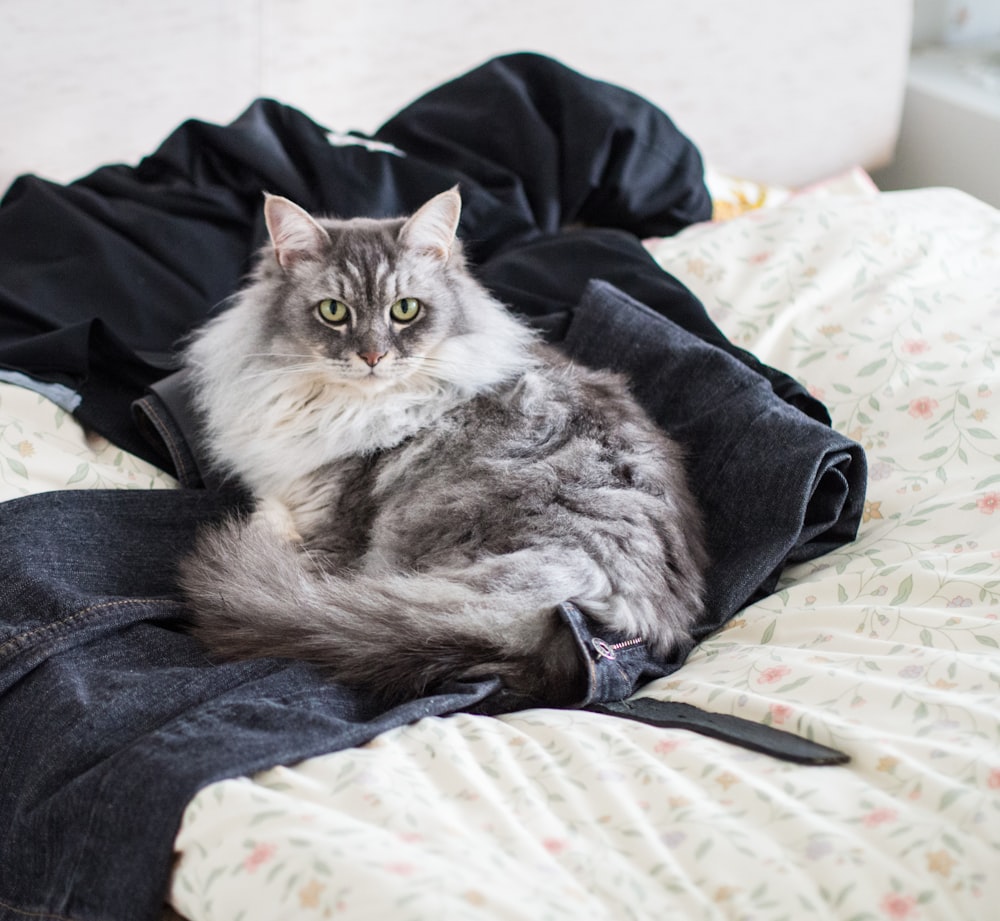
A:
165	431
33	914
59	626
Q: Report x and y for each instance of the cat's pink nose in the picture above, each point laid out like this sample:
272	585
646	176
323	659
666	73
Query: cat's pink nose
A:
371	358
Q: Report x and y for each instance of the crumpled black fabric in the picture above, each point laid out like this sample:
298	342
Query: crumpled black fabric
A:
111	716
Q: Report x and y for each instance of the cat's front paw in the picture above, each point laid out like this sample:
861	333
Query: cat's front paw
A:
278	517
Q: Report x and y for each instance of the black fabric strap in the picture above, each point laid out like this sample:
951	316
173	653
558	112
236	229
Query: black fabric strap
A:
745	733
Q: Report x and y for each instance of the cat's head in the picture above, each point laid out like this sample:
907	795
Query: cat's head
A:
375	301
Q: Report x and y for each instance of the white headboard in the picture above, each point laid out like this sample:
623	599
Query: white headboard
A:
777	90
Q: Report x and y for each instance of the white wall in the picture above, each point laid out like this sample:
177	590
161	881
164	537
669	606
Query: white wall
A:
779	90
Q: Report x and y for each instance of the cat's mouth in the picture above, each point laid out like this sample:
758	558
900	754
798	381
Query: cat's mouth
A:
377	373
373	378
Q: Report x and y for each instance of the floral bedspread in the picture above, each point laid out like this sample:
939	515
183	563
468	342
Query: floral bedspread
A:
888	307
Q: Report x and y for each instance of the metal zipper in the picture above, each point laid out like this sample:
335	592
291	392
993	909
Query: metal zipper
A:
606	650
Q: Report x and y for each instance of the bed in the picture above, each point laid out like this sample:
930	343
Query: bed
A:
886	307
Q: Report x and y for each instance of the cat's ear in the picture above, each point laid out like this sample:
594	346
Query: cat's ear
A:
432	228
294	232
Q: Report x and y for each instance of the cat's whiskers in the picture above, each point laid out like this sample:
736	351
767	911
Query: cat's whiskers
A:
279	364
464	374
431	361
283	371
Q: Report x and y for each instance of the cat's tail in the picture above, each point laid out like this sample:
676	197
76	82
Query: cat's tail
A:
252	594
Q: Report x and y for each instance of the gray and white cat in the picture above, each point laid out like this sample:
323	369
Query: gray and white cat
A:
430	480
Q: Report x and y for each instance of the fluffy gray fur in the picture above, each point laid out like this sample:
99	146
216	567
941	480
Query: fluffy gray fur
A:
430	480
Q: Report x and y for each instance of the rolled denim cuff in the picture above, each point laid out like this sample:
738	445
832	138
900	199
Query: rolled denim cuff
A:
166	418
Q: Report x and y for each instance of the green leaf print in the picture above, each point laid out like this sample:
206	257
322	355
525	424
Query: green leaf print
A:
905	588
17	467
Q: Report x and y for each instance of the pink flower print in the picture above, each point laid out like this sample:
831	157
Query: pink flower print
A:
773	674
915	346
780	713
989	503
879	817
759	258
899	907
993	780
923	407
260	855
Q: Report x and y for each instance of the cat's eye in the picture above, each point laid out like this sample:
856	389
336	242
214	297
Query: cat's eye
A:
405	310
332	311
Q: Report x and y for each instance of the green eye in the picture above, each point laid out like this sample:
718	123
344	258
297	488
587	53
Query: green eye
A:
405	309
332	311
